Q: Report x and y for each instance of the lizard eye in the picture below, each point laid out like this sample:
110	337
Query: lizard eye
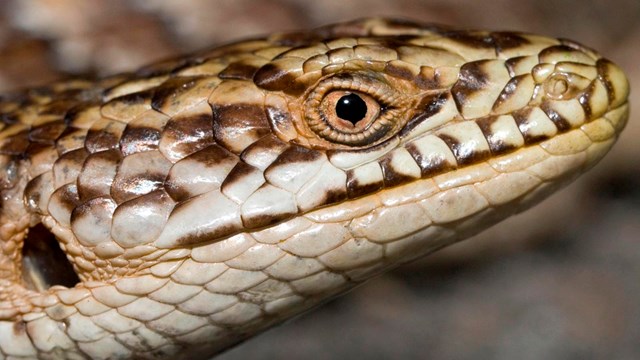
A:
351	111
351	107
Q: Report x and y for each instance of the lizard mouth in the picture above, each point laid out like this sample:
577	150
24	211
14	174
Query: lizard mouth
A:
44	264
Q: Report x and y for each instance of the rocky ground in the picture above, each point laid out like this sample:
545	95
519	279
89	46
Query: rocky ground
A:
558	282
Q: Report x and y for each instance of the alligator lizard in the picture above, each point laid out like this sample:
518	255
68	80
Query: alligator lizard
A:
204	199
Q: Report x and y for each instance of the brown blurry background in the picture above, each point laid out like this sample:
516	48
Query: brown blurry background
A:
559	282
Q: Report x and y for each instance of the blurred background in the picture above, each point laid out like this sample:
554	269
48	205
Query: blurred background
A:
561	281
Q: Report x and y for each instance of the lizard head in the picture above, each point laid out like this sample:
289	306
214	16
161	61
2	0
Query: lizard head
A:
354	113
215	195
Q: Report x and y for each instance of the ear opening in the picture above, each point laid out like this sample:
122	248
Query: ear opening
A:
44	264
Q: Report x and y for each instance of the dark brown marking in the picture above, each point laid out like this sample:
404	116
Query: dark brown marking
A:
398	71
264	220
79	110
198	238
603	74
238	70
430	164
133	99
334	196
522	119
463	158
471	79
187	135
148	175
71	138
89	208
427	79
296	154
497	146
561	123
237	174
137	139
271	77
585	100
512	63
429	105
238	123
68	166
16	144
48	132
102	140
203	237
67	196
88	187
176	190
74	157
210	156
478	40
507	40
170	90
355	189
390	175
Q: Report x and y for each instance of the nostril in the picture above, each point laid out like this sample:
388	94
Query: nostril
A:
560	86
565	86
44	264
556	86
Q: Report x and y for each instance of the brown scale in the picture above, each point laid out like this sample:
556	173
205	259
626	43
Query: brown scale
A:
210	161
561	123
98	171
497	147
430	164
355	189
472	78
463	158
392	176
239	125
509	90
522	118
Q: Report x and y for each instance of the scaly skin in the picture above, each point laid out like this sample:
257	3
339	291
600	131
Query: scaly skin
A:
205	199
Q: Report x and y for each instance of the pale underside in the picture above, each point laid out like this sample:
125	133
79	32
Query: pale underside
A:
204	199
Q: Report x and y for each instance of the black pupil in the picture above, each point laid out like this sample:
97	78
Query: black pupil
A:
351	108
